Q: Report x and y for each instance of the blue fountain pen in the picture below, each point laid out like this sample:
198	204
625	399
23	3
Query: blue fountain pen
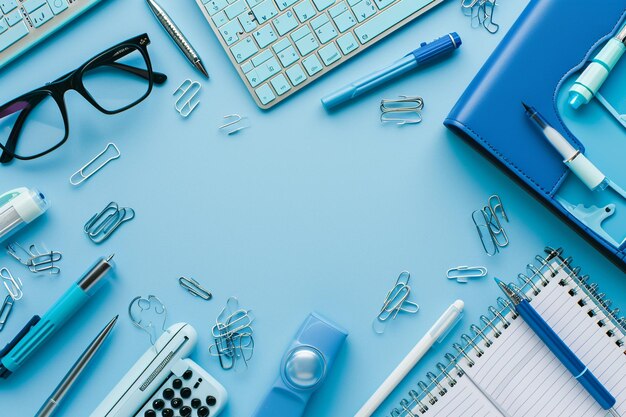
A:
557	346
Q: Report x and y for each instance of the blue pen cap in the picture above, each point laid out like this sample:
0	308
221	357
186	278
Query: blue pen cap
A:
437	48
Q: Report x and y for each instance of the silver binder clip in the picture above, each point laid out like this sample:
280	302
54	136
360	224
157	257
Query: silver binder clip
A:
463	273
186	100
87	170
13	285
5	310
403	111
194	288
234	123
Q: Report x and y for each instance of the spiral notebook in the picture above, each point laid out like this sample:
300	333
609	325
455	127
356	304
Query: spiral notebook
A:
508	365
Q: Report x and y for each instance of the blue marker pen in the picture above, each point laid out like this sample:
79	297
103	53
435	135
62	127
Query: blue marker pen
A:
425	53
557	346
38	331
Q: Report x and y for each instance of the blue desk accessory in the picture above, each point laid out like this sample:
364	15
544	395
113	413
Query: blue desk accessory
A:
304	368
593	77
39	330
505	136
18	208
427	52
559	348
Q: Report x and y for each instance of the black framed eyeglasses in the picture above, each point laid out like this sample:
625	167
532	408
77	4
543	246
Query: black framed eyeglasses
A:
36	123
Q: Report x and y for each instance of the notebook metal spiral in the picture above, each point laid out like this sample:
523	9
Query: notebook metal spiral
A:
481	335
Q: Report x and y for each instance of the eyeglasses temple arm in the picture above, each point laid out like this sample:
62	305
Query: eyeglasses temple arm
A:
158	77
8	152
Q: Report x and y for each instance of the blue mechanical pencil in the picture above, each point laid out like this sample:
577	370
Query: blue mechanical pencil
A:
425	53
557	346
39	330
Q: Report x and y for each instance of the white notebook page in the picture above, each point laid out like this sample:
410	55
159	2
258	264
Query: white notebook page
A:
527	380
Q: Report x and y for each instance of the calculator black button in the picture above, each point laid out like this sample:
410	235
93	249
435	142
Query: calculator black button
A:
203	411
177	383
168	393
177	403
150	413
195	403
185	411
168	412
158	404
188	374
185	392
211	400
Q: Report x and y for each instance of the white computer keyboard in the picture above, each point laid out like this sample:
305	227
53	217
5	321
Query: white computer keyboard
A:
25	23
280	46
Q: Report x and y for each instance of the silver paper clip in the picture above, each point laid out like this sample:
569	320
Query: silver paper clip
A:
403	111
232	334
148	314
13	285
37	261
101	225
234	123
194	288
463	273
5	310
186	100
395	302
81	176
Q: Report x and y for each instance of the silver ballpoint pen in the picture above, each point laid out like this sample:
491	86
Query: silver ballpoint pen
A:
70	378
177	36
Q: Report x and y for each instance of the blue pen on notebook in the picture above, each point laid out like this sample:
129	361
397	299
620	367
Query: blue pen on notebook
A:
425	53
557	346
39	330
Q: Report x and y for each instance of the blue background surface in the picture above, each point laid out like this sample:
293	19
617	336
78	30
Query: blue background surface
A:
303	211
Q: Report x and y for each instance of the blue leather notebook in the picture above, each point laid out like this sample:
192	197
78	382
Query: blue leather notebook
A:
550	41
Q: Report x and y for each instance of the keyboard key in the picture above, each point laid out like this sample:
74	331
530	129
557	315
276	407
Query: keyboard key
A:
220	19
32	5
296	75
14	17
285	23
265	36
252	3
329	54
304	10
7	5
244	49
265	94
288	56
388	18
319	21
338	9
326	33
280	84
323	4
283	4
230	30
247	22
3	25
262	57
215	6
347	43
253	78
312	65
247	67
238	8
365	9
307	45
300	33
281	45
265	11
345	21
268	68
353	2
13	35
58	6
383	3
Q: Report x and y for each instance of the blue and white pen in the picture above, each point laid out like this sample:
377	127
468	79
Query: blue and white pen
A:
425	53
557	346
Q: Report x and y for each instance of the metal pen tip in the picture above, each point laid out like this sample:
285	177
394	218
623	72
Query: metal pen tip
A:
198	64
527	107
110	257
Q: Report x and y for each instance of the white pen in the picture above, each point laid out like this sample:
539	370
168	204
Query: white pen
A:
438	331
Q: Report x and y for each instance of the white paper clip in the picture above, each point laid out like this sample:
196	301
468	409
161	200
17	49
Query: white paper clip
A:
84	173
186	100
463	273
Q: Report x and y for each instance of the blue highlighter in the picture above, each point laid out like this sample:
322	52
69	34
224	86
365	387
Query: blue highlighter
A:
304	368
